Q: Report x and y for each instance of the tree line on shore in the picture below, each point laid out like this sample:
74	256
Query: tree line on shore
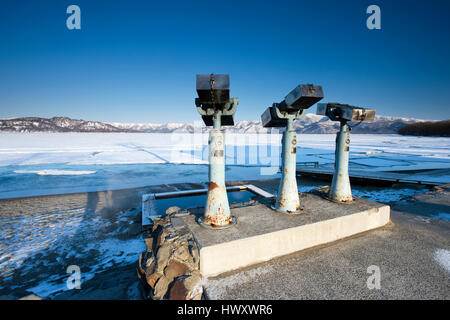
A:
435	128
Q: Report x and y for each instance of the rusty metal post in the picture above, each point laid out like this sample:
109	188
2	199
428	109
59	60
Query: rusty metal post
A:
217	210
283	114
287	198
340	187
340	190
217	109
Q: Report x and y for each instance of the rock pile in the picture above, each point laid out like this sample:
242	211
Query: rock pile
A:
169	268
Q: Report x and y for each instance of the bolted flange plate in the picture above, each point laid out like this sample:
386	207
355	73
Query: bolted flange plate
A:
301	211
337	201
202	222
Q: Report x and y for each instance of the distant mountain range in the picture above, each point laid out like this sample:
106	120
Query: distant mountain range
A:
310	124
55	124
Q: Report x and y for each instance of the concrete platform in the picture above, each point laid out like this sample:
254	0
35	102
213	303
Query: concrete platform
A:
263	234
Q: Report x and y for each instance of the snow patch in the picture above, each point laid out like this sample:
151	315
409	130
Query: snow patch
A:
443	216
442	257
37	248
386	195
55	172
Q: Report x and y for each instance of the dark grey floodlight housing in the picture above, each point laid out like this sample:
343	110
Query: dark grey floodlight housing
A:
302	97
213	88
297	101
214	95
270	118
345	112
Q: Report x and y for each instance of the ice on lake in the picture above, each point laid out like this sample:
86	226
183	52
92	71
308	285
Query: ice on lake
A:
52	163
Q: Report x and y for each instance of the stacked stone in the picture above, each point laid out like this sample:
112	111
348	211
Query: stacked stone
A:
169	268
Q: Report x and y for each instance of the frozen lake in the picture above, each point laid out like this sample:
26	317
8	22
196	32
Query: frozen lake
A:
54	163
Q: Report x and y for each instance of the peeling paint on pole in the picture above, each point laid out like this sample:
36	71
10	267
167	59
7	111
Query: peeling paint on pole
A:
340	187
217	209
340	190
287	198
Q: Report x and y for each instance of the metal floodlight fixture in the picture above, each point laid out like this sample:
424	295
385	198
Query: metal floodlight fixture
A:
345	112
216	108
273	118
283	114
293	106
340	190
214	99
302	97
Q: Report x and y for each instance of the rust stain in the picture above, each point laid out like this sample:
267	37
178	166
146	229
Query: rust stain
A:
341	199
213	185
219	219
281	200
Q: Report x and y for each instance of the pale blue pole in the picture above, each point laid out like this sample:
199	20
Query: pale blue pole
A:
287	198
217	210
340	187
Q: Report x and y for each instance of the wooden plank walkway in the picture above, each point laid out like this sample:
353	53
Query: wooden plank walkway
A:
367	176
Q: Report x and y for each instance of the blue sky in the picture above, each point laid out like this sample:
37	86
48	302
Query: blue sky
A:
136	61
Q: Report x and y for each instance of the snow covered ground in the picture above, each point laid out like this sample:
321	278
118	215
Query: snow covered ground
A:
38	248
52	163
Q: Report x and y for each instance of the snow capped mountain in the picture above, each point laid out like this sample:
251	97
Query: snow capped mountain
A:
154	127
55	124
310	124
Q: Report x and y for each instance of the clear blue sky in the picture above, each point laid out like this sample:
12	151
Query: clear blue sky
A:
136	61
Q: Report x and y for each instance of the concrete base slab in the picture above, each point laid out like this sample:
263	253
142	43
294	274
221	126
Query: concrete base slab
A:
262	234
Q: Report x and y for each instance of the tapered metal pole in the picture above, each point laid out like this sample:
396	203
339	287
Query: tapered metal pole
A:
217	210
340	187
287	198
